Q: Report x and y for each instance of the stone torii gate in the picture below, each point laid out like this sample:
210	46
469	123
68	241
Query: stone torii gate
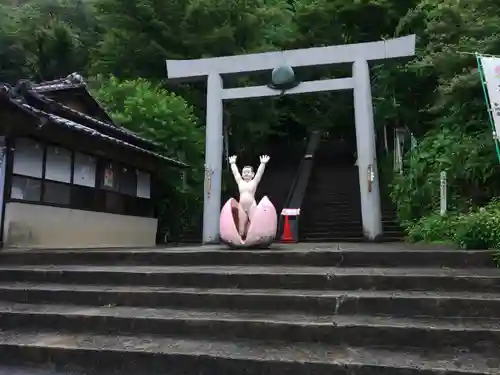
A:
359	54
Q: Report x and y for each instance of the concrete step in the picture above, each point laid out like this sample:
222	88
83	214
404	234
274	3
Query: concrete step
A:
354	255
328	205
147	354
323	210
339	221
337	224
481	335
354	232
262	277
340	302
335	215
344	308
336	232
317	197
353	220
320	223
332	238
331	219
336	229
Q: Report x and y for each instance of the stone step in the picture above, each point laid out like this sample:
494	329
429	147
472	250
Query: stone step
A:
332	218
354	232
330	221
341	302
320	226
397	238
354	255
153	355
333	238
263	277
336	179
332	198
337	214
319	200
340	225
337	217
479	335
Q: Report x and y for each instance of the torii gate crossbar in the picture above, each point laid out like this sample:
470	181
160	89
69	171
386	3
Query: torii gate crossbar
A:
358	54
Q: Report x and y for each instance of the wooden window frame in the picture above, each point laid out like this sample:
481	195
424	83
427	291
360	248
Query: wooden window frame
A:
132	205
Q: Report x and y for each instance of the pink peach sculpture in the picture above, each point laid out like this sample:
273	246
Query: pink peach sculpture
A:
258	229
244	223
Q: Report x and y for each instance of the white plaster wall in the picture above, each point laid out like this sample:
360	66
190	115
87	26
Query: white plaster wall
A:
29	225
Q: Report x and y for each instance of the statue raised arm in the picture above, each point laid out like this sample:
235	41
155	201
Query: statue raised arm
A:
234	169
264	159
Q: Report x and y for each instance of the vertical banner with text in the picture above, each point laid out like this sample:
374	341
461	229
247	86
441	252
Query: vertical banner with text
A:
490	71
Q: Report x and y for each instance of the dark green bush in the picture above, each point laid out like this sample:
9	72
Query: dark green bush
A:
473	231
433	228
476	230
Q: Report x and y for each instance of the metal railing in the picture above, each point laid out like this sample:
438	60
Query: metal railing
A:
298	187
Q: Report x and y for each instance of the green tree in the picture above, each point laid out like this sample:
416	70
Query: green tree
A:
452	119
337	22
169	120
43	40
146	32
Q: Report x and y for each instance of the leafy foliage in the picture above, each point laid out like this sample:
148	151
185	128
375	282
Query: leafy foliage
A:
433	228
470	165
479	229
169	120
450	119
44	40
180	29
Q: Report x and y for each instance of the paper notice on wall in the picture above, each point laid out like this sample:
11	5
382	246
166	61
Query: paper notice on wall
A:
109	175
491	71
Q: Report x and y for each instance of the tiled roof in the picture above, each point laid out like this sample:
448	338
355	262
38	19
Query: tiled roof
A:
98	123
72	81
9	94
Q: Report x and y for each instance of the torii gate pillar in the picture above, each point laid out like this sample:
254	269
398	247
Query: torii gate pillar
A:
359	54
366	151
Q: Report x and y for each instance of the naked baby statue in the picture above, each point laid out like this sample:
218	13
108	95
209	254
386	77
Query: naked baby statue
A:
244	222
248	182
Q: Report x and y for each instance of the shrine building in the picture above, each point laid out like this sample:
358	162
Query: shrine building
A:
70	177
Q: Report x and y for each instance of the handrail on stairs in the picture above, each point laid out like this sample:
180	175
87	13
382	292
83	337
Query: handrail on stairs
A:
298	187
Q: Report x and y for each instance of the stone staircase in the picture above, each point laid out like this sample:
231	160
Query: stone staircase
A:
332	206
348	309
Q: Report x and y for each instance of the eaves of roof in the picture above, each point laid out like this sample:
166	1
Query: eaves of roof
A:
19	102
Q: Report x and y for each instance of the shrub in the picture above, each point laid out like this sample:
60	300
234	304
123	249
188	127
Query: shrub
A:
480	229
476	230
470	162
473	231
433	228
